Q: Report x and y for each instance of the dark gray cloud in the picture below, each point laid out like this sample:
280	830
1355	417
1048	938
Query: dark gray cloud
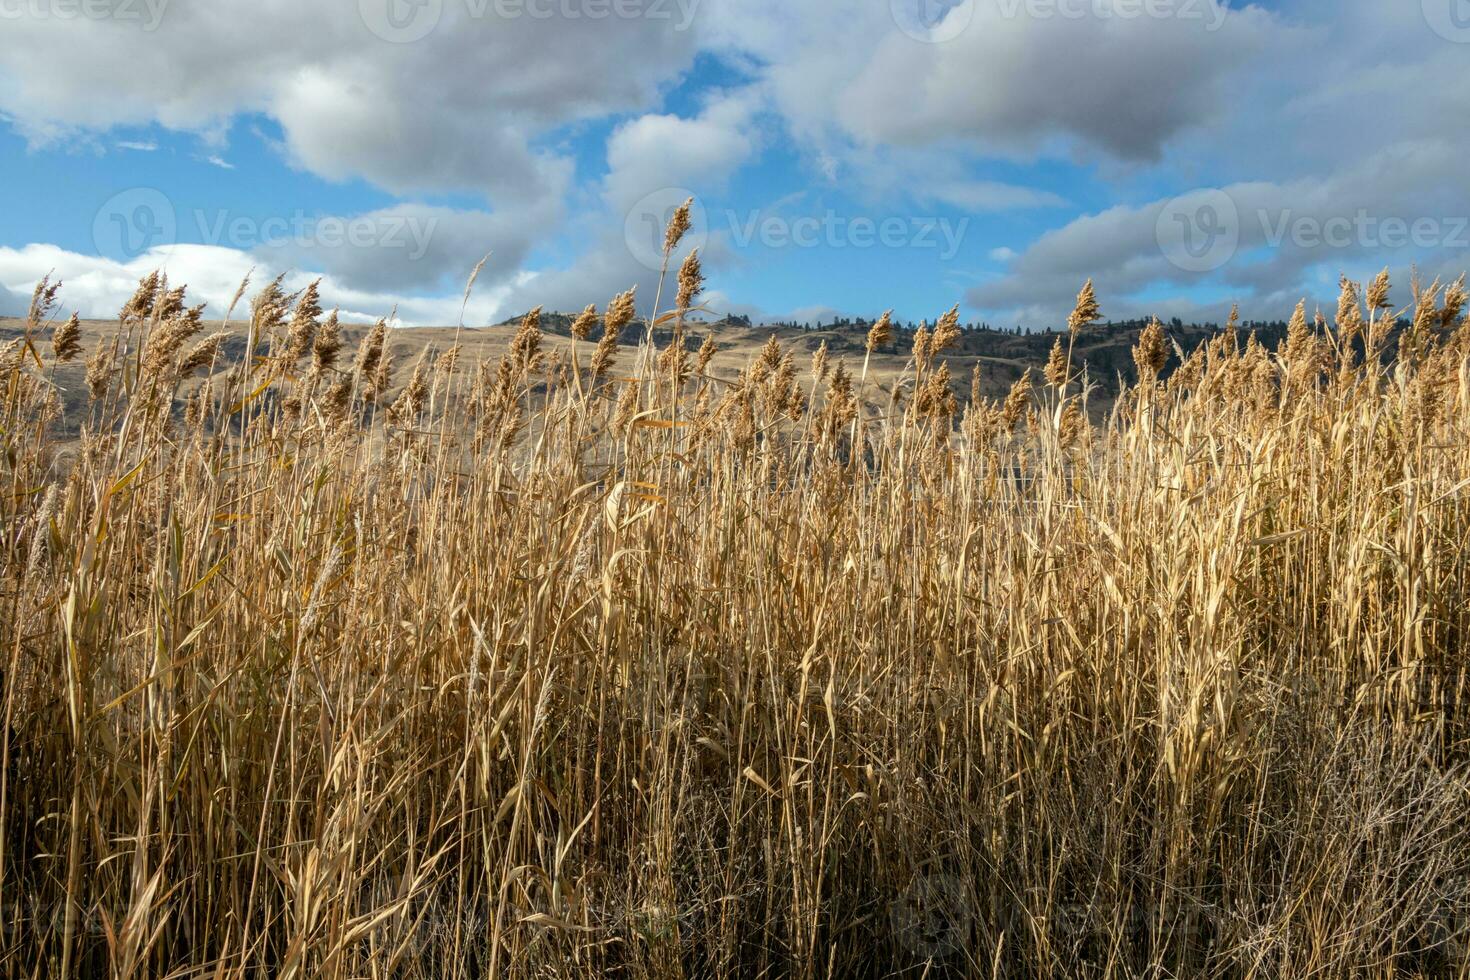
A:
1012	82
1021	77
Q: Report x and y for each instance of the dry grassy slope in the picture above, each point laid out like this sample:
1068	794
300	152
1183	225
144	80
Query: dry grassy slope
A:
1183	695
1003	356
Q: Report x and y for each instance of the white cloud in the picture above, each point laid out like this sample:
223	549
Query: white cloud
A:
453	111
1399	205
98	287
1142	102
458	111
654	152
653	160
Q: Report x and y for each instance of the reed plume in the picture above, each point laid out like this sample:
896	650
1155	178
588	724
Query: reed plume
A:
765	677
66	342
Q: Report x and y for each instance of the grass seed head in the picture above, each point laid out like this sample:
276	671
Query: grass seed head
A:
678	225
303	327
946	331
1152	352
203	354
269	308
43	303
99	370
881	333
1056	365
1018	400
66	342
1378	292
168	303
1086	311
820	362
1072	426
1349	317
327	344
923	346
525	346
1454	304
370	352
691	282
138	308
707	351
585	321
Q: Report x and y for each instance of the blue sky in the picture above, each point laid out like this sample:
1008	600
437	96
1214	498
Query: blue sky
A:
847	157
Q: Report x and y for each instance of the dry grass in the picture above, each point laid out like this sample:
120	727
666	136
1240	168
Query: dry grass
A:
346	665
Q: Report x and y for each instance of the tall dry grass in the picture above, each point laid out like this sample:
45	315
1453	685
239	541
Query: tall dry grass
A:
596	665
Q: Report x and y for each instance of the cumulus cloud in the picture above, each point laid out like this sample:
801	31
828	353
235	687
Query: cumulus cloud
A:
930	177
458	109
368	259
417	247
654	152
1017	77
1325	172
1013	80
452	110
97	287
1270	243
473	101
654	161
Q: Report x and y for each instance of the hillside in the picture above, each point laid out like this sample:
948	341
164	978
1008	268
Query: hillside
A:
1105	350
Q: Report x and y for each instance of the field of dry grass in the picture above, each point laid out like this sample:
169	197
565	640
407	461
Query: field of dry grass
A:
1002	357
736	345
528	657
